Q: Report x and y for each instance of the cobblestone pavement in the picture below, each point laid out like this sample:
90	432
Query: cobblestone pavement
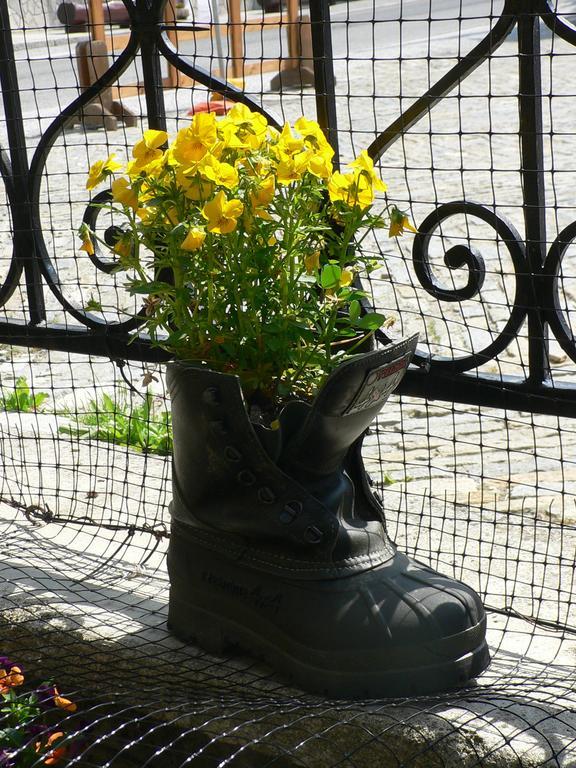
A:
445	468
489	496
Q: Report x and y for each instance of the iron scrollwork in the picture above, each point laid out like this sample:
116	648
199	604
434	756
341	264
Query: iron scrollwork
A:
536	274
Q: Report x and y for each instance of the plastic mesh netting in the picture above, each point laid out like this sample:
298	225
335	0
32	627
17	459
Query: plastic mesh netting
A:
477	483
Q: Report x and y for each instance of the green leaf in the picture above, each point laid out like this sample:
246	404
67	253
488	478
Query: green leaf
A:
330	275
354	310
371	321
92	305
154	286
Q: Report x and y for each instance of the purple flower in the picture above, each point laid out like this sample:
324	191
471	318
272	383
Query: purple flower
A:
7	759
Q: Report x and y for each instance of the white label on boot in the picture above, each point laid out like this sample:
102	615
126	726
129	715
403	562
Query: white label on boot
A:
379	385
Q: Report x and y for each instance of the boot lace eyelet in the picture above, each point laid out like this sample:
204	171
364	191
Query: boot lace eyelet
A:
232	454
266	495
245	477
290	511
313	535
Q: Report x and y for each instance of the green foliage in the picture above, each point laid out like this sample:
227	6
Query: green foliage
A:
244	243
22	399
142	426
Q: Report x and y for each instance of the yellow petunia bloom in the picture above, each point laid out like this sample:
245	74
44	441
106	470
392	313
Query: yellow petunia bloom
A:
123	246
222	214
124	194
88	247
320	165
100	171
399	221
192	143
194	239
292	168
222	174
314	137
245	127
151	139
147	150
346	278
263	194
364	165
353	189
312	262
288	144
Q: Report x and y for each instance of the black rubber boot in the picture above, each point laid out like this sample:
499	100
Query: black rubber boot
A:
279	548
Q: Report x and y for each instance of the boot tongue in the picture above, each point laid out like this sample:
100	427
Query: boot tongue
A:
350	399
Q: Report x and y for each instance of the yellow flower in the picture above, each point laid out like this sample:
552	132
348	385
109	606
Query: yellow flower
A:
147	151
192	184
100	170
249	128
353	189
312	262
123	246
313	136
399	222
346	278
364	165
199	190
124	194
194	239
263	194
320	165
222	174
288	144
222	214
192	143
292	168
87	245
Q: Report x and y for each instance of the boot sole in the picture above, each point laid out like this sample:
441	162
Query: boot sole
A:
222	606
222	637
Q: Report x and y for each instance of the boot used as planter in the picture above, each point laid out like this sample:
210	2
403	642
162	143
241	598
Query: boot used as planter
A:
279	547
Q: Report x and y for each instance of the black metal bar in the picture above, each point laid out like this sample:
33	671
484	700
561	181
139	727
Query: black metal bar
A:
447	82
149	30
324	72
78	340
533	184
24	239
503	393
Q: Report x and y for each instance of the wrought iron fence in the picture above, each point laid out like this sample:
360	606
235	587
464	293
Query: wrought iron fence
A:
467	111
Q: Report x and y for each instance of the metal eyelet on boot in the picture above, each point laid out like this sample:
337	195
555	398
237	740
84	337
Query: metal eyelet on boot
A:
232	454
245	477
211	396
313	535
290	511
266	495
